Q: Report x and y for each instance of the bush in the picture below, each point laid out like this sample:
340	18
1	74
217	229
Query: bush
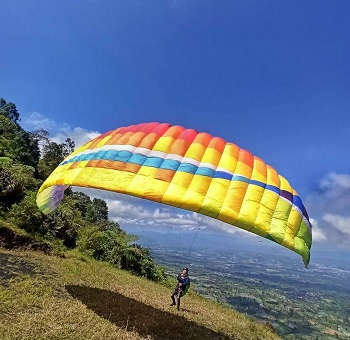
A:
26	215
91	242
119	249
62	224
15	181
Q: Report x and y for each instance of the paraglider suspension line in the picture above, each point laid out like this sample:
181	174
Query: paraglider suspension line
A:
195	235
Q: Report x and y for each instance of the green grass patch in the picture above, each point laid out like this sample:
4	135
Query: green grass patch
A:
79	298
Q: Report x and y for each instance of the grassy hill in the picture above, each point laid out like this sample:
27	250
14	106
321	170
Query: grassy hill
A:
47	297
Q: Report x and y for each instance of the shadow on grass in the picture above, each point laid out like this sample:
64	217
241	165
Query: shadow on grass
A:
12	266
133	315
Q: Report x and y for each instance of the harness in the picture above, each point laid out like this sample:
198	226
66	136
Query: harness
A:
185	287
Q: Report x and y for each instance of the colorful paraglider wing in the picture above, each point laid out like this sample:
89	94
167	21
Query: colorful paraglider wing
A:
190	170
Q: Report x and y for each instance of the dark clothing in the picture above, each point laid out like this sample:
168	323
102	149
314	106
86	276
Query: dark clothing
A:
179	289
184	280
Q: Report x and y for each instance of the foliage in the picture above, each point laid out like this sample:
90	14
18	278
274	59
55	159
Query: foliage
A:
97	211
26	148
27	215
41	135
62	224
81	202
9	110
15	181
120	250
17	144
8	130
52	154
110	225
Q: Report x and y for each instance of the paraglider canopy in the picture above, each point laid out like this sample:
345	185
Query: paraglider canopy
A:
190	170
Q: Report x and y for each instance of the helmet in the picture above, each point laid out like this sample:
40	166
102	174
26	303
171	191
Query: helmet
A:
185	268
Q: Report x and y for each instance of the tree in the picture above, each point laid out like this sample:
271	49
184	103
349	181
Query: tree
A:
105	225
9	110
97	211
7	127
17	144
119	249
26	215
15	181
26	148
68	147
63	224
81	202
52	155
8	130
41	135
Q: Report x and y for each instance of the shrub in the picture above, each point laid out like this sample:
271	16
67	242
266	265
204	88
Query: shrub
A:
119	249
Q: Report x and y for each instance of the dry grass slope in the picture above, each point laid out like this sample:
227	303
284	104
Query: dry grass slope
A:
45	297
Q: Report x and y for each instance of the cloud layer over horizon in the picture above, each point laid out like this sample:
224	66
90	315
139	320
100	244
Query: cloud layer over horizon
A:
133	211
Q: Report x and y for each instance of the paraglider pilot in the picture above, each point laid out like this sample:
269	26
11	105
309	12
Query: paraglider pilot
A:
183	282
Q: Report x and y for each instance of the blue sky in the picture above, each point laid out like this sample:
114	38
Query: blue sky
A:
270	76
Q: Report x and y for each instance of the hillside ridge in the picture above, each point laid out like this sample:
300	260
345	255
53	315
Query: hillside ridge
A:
48	297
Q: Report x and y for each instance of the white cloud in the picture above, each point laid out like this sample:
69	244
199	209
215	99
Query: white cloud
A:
341	223
336	182
330	208
36	121
78	134
129	210
58	132
317	234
